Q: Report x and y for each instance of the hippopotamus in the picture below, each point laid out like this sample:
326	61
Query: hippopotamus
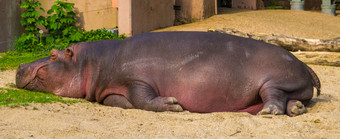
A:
174	71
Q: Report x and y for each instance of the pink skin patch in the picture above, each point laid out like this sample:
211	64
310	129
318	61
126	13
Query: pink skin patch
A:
118	90
253	109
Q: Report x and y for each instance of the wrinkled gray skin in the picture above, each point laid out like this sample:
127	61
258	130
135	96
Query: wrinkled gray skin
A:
176	71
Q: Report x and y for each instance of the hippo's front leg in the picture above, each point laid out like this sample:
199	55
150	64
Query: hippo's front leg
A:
142	96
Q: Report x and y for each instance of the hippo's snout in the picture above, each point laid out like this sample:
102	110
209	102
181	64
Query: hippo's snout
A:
27	72
22	76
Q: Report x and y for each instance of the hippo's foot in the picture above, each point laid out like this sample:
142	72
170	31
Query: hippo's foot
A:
271	109
274	99
295	107
164	104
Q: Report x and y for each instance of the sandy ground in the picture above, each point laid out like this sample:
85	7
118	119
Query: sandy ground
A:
91	120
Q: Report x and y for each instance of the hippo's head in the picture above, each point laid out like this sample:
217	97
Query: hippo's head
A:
54	74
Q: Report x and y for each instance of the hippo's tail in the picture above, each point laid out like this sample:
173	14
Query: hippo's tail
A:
316	81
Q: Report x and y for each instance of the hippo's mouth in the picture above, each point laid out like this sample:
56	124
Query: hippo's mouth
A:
30	84
25	86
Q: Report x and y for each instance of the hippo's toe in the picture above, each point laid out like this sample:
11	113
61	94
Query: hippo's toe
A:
270	109
295	107
164	104
170	100
172	104
175	108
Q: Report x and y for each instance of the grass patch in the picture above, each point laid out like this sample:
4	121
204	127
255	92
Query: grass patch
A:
16	98
11	60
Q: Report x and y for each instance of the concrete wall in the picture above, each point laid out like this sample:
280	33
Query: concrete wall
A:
194	10
9	23
138	16
210	8
248	4
92	14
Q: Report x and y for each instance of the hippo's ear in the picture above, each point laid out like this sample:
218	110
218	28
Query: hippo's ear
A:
54	54
69	53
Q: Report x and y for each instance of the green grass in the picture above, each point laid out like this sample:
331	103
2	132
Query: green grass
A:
17	98
11	60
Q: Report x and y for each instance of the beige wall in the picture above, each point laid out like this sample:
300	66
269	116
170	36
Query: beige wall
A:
194	10
138	16
124	17
92	14
115	3
248	4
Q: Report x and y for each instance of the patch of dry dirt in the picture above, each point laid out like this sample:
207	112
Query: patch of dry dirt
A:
319	58
7	78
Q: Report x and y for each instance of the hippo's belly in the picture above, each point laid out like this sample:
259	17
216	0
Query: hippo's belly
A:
210	88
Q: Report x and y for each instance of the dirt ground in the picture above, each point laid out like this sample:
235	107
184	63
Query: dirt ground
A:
91	120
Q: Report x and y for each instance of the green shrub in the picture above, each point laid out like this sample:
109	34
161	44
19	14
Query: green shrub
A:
26	42
61	19
30	17
100	34
61	27
30	20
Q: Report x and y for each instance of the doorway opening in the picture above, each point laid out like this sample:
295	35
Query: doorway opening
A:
224	3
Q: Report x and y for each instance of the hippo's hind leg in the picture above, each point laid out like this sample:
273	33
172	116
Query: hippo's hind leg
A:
143	96
275	101
117	101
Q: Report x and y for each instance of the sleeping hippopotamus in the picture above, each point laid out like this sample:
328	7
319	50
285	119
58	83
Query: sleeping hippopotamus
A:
176	71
